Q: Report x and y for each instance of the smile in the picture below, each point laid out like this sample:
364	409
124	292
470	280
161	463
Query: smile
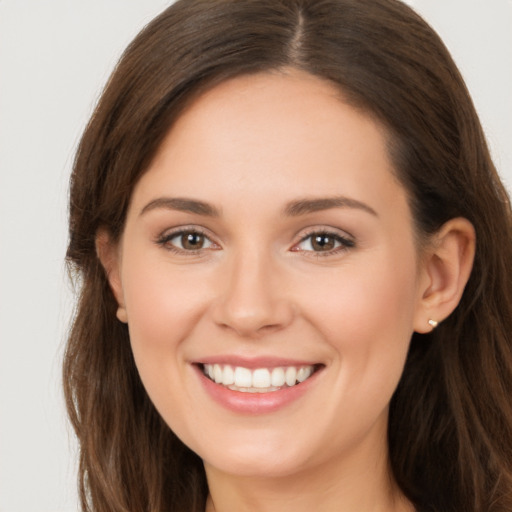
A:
259	380
257	386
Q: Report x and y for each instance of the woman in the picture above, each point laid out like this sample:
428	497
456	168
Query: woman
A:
293	253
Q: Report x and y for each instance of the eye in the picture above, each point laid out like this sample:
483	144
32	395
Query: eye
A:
189	240
324	242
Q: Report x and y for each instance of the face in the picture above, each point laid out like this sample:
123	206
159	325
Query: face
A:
270	279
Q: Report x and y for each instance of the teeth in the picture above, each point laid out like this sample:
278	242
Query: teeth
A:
290	375
303	373
278	378
243	377
260	380
228	376
217	373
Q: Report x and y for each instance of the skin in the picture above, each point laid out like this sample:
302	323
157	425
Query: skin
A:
258	287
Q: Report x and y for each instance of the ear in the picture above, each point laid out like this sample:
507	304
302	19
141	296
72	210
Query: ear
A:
446	268
109	256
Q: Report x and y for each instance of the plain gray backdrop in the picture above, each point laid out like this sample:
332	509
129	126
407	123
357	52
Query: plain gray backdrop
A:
55	56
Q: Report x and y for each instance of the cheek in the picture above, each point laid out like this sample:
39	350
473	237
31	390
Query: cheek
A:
359	299
163	306
366	313
163	302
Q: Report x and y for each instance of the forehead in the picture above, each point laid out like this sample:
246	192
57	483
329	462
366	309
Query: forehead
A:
259	101
278	135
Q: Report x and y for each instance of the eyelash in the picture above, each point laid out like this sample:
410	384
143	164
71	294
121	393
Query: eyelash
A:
345	243
165	239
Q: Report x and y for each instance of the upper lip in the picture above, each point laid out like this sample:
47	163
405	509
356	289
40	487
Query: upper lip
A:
254	362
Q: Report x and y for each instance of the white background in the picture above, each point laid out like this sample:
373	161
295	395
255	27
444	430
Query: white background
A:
55	57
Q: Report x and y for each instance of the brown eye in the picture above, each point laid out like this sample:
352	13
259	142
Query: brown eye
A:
186	241
326	243
192	241
323	242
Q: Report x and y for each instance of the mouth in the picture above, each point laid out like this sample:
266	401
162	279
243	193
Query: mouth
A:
258	380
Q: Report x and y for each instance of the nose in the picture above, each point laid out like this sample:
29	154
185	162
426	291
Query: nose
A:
252	298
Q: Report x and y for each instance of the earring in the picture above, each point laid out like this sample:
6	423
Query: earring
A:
121	315
433	323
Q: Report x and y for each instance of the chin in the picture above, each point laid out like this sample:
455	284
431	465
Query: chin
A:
257	458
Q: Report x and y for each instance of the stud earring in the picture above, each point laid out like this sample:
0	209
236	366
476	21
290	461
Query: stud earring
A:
121	315
433	323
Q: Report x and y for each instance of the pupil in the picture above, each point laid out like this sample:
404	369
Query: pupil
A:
193	241
323	243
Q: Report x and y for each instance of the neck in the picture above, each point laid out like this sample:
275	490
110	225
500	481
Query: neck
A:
348	487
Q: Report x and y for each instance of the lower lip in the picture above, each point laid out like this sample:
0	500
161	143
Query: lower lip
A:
254	403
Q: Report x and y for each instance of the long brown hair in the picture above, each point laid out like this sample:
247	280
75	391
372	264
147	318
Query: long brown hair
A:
450	427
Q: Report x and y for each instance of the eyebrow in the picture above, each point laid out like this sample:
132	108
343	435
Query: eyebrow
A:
305	206
182	204
292	209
